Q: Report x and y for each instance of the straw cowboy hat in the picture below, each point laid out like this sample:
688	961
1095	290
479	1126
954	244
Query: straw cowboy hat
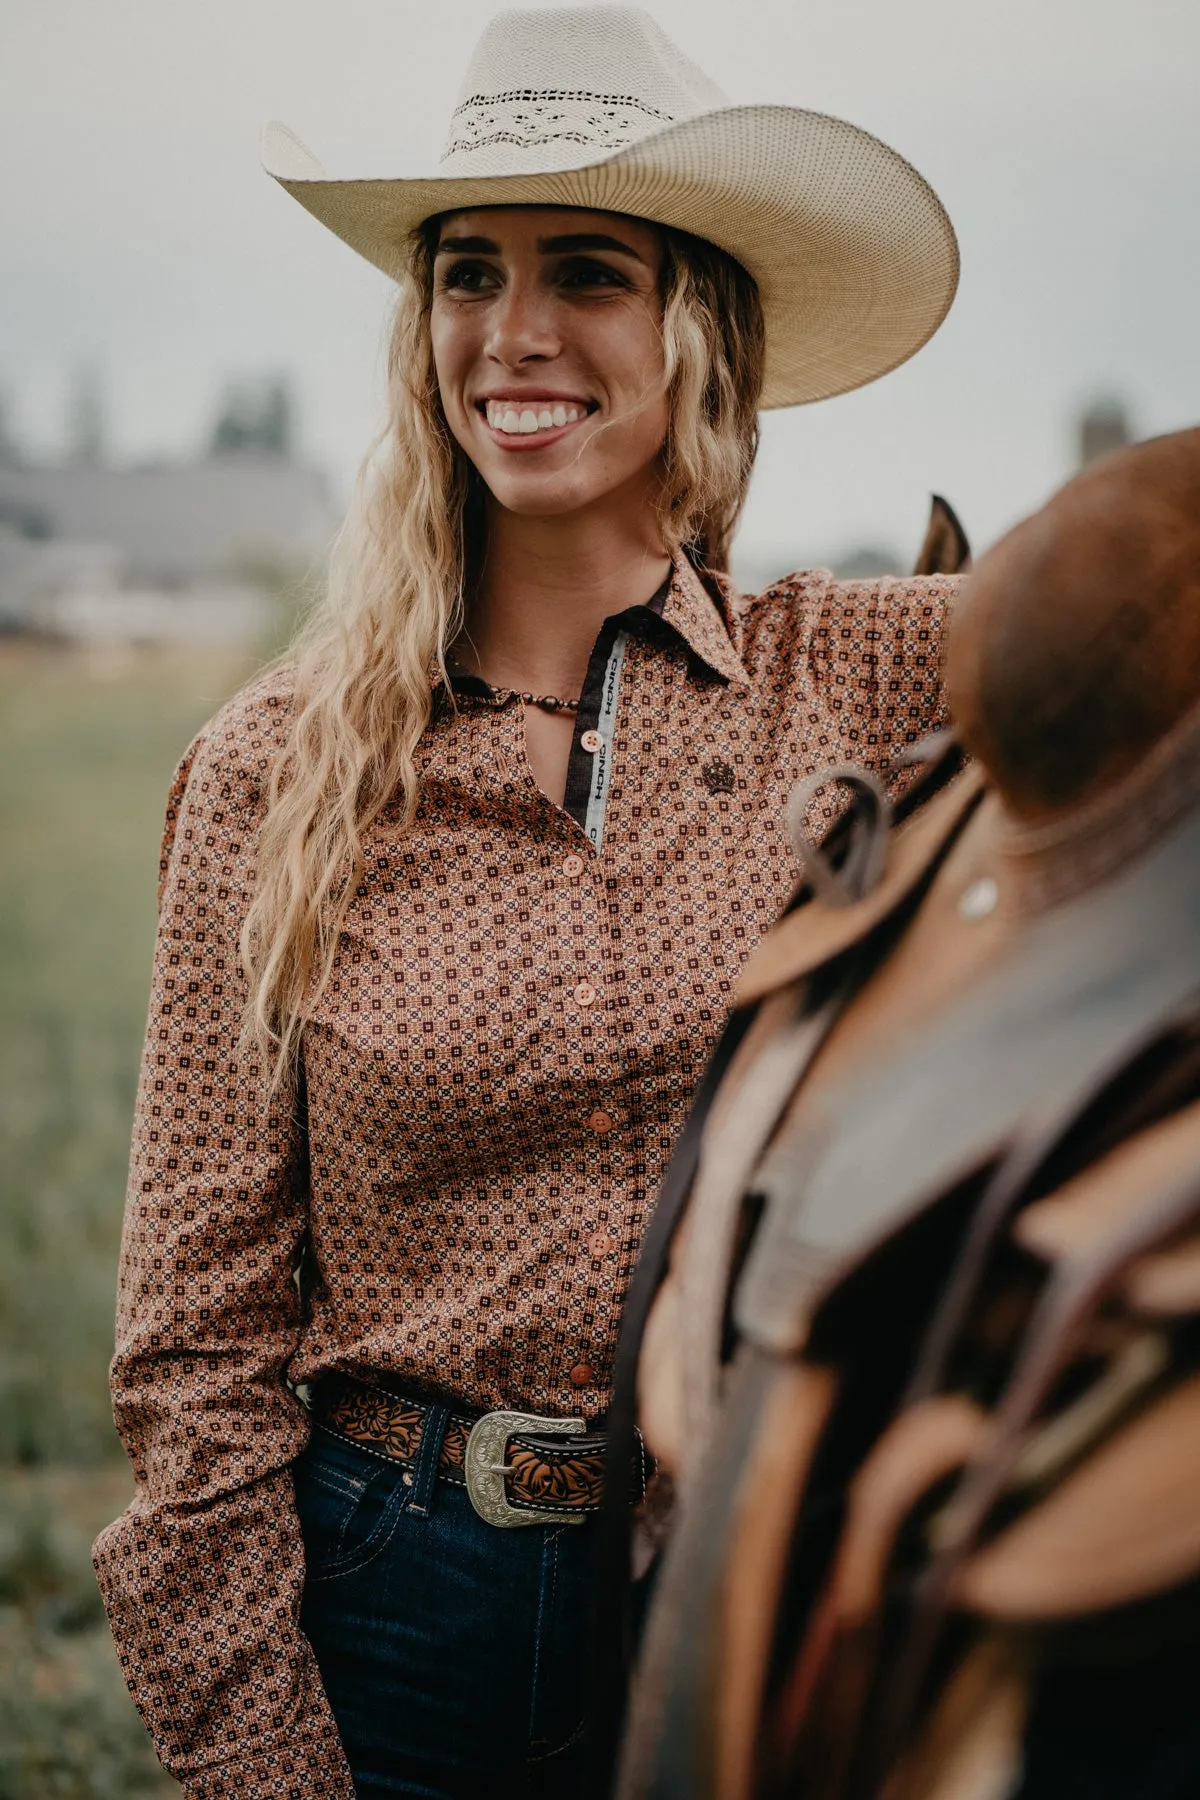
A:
855	259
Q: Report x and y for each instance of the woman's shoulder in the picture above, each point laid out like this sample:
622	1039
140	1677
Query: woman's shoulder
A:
822	588
813	603
222	778
246	734
232	756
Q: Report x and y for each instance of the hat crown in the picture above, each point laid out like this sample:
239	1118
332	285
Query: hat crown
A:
545	88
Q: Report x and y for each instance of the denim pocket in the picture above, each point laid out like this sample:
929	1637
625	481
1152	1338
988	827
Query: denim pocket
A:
348	1502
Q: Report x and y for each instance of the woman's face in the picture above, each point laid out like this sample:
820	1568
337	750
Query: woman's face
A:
547	339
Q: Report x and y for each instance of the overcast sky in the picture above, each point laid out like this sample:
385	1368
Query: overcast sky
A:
138	233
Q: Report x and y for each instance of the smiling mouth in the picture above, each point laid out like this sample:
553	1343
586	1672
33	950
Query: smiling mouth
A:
542	420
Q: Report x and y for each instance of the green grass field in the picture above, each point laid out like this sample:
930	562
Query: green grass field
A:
87	746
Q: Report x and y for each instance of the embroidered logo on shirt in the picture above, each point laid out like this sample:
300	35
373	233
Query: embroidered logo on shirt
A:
718	776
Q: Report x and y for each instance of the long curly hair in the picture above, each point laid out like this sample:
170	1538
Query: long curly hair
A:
394	603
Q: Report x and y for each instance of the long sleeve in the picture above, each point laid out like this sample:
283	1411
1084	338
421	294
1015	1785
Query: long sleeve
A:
202	1576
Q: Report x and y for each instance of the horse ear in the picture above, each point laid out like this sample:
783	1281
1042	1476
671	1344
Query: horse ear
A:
945	550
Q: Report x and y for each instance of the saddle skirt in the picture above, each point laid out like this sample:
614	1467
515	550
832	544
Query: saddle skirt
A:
1060	1000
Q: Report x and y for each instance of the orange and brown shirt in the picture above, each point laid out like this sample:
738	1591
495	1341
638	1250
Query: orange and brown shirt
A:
523	1000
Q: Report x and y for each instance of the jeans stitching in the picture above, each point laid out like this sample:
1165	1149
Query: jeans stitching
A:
423	1477
353	1490
548	1582
537	1634
350	1562
549	1755
356	1560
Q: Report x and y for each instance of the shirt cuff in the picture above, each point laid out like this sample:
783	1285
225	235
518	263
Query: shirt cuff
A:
309	1764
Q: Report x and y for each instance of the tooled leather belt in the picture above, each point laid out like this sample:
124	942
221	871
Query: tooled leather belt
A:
518	1468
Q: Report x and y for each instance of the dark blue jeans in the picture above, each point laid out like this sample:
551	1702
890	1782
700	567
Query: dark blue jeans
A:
453	1653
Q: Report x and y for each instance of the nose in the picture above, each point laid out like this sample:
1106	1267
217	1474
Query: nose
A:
522	326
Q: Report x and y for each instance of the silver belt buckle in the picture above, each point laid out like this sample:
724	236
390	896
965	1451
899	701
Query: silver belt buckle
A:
486	1467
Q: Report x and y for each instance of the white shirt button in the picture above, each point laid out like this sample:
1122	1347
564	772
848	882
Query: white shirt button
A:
573	866
585	994
591	741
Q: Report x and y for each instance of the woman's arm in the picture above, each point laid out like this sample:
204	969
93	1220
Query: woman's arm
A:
202	1576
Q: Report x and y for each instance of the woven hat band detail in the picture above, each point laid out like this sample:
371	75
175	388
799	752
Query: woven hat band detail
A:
541	85
532	118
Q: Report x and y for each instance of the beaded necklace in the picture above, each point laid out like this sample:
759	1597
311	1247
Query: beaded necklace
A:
548	702
501	696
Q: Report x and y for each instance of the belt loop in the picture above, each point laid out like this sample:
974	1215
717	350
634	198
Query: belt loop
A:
425	1468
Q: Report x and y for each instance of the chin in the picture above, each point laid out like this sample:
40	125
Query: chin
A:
542	499
550	493
519	486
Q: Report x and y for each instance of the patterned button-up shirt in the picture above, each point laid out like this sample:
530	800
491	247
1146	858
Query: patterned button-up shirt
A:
523	1000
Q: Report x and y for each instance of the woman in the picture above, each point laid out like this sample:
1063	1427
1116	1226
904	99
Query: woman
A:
453	903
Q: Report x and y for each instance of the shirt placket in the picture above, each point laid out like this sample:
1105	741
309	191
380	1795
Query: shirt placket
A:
588	985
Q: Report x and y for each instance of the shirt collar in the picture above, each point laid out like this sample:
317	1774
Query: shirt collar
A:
685	605
695	612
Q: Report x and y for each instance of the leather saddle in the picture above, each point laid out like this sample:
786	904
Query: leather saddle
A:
917	1330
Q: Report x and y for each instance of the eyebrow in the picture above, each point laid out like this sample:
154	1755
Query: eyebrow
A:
552	246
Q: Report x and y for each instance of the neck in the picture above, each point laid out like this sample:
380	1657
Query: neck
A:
546	587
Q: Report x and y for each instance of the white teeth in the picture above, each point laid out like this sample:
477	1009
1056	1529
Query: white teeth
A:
503	416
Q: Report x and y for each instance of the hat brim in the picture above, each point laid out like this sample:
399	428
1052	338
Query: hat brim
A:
855	258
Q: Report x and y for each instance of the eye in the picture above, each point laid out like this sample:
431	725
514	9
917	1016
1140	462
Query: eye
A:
467	277
582	272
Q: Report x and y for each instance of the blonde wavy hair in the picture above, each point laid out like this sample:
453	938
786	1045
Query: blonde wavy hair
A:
394	603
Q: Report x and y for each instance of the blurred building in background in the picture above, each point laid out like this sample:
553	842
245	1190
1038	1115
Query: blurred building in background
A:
1103	426
178	552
